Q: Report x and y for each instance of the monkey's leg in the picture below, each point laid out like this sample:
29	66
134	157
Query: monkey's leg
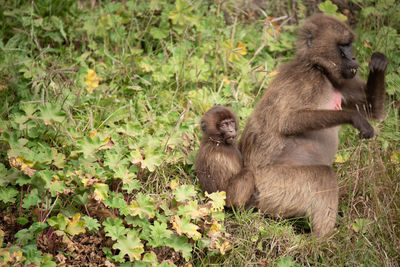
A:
289	191
240	188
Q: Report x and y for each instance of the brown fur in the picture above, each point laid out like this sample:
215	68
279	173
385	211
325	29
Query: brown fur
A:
291	138
219	163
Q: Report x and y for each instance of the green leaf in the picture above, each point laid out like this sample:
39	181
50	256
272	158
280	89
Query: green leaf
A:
59	222
130	185
115	202
286	262
153	158
184	226
184	192
192	210
8	194
158	33
47	261
159	234
32	254
144	206
130	245
31	199
22	220
151	258
114	228
331	9
91	224
361	225
25	235
114	159
50	113
56	187
181	244
89	146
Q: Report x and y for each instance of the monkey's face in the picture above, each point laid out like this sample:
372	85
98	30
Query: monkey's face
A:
349	64
229	130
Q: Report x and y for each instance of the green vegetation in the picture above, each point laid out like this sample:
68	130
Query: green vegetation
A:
99	112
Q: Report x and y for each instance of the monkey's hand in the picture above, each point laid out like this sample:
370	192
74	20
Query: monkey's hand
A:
359	122
378	62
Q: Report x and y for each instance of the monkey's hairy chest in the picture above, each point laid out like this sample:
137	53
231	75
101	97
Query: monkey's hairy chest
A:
317	147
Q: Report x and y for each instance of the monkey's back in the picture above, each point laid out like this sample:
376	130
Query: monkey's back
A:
216	164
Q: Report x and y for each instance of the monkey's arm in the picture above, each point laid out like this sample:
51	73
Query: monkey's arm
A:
368	98
301	121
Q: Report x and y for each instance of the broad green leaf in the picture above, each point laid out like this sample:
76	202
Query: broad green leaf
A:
153	158
193	210
114	228
89	146
130	185
331	9
32	254
143	206
58	222
130	245
184	192
184	226
158	33
50	113
31	199
56	187
151	258
181	244
8	194
115	202
361	225
159	234
24	236
286	262
91	223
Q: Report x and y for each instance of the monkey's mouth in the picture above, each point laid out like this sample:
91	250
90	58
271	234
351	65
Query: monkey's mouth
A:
353	70
230	139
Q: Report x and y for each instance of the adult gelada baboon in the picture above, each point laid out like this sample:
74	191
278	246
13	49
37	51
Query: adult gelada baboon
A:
219	164
291	138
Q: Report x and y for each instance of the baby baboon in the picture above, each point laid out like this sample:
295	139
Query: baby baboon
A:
291	138
219	165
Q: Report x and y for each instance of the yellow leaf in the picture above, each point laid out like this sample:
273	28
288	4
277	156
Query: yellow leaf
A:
23	165
224	247
240	48
100	192
226	80
273	73
342	157
174	183
92	134
91	80
395	157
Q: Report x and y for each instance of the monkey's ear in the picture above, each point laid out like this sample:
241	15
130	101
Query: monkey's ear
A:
203	126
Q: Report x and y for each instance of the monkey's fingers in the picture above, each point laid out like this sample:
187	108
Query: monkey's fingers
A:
378	62
366	134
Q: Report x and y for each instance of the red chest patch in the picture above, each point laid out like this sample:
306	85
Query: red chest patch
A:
337	100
